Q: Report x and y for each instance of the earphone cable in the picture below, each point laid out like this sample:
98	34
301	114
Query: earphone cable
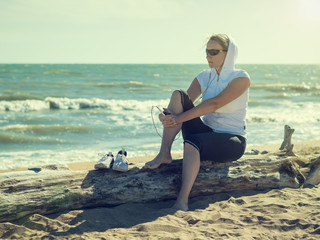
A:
154	125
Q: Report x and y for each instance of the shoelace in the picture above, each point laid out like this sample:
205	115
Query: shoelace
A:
123	158
105	156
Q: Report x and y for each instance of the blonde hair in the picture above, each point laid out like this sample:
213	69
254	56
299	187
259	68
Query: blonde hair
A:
221	39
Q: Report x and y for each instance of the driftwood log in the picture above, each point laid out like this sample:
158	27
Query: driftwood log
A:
54	189
50	191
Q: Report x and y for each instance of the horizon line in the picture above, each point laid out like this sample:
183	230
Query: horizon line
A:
65	63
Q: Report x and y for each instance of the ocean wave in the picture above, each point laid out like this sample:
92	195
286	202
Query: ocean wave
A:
11	138
128	84
288	112
62	71
283	95
78	103
52	103
23	105
18	96
8	70
259	119
303	87
254	102
46	129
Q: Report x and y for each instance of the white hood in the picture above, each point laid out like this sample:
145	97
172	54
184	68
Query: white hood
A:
231	57
228	68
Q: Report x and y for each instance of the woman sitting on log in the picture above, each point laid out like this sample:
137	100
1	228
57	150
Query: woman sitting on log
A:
220	134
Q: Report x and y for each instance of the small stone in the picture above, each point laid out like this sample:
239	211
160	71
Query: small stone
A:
252	152
56	167
36	170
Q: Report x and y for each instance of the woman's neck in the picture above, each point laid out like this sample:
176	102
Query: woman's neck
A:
218	70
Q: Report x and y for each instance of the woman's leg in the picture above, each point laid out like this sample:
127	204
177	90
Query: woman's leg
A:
190	170
164	156
218	147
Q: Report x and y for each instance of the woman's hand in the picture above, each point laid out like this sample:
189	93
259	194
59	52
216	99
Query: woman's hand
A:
168	119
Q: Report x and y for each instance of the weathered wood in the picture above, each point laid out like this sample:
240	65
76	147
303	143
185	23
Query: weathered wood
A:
286	144
313	178
50	191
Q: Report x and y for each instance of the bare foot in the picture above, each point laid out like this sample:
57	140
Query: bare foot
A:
158	160
180	206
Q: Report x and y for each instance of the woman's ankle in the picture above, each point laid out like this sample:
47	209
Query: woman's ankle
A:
164	154
181	205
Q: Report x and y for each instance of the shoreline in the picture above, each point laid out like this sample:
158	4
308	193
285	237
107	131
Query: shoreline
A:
300	148
89	165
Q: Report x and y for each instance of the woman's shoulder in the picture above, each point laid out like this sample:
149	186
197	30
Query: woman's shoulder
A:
203	77
237	73
204	74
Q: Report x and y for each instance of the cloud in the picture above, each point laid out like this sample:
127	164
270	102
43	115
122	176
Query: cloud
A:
88	12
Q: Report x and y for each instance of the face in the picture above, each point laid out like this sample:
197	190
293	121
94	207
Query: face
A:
215	61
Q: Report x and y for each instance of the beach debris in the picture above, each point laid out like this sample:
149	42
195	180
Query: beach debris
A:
252	152
313	178
286	144
55	167
290	168
49	167
36	170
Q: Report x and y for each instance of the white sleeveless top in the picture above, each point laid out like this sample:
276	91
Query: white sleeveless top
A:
231	117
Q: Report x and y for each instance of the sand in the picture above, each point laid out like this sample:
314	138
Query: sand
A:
270	214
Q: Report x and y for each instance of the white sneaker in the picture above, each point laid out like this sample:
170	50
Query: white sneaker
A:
105	162
121	162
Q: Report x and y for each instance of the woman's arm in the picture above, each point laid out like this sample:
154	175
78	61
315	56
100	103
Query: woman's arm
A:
234	90
194	90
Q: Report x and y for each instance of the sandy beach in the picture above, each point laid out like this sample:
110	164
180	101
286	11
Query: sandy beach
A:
268	214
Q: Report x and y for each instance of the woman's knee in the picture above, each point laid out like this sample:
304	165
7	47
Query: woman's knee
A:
182	97
177	95
176	103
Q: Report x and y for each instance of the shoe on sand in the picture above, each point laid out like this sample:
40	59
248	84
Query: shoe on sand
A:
105	162
121	162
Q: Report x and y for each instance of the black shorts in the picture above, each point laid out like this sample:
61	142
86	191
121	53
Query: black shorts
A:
218	147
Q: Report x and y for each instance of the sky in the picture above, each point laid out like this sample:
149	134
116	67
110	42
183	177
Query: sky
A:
157	31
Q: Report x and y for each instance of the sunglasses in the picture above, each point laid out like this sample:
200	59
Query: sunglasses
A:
213	52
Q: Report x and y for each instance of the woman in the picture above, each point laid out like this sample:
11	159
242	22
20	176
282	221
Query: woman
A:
220	134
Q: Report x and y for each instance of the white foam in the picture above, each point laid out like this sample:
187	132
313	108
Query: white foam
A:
23	106
21	159
25	159
79	103
286	112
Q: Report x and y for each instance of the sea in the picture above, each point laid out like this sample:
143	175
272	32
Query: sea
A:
63	113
